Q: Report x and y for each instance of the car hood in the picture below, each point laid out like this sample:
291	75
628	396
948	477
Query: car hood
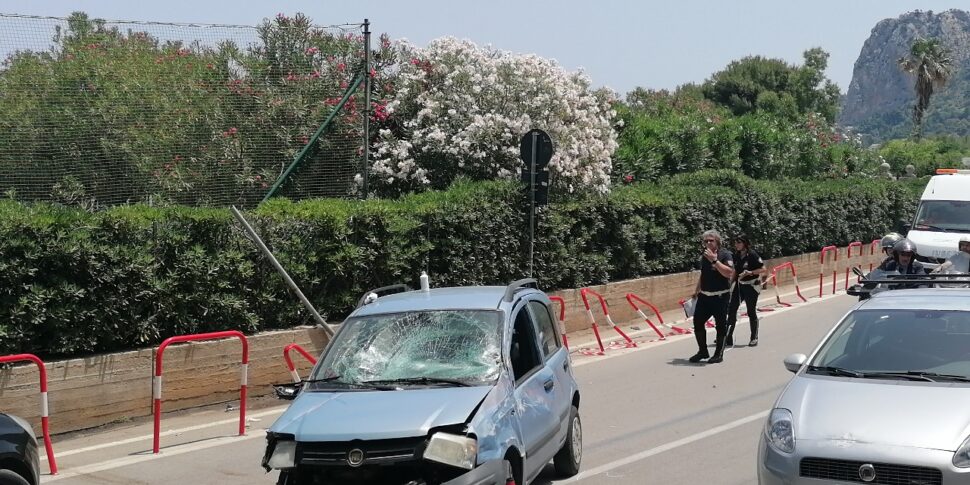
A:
882	412
373	415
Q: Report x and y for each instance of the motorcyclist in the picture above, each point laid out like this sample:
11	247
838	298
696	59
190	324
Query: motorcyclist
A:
887	243
959	262
904	261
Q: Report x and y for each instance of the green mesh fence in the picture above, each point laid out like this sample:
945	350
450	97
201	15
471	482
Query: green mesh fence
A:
98	113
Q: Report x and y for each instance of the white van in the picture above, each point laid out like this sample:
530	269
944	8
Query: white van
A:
943	216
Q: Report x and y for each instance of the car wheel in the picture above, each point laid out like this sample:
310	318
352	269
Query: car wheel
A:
8	477
570	456
287	478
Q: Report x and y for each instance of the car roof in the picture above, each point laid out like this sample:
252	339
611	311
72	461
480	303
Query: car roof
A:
947	187
920	299
453	298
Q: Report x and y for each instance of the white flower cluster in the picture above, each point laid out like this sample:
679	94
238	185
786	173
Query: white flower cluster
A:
460	109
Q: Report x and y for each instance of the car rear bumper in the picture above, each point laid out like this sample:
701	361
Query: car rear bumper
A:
776	468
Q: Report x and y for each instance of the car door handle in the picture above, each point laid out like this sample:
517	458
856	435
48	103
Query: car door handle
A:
549	385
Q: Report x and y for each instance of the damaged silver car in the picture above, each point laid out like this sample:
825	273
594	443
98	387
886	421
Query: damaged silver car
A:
445	386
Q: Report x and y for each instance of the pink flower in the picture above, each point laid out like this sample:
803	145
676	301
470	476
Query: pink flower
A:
415	61
341	67
628	179
312	50
315	75
343	85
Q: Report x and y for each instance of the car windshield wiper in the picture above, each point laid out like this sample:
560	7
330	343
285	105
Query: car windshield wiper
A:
419	380
927	376
834	371
336	380
930	227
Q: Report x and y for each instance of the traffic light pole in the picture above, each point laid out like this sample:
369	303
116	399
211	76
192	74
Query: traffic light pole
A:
532	200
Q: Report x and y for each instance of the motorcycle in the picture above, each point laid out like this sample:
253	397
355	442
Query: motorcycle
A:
879	280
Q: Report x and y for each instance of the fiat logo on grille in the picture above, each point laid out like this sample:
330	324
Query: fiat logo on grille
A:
867	473
355	457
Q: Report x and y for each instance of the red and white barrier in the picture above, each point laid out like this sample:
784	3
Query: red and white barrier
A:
633	299
157	380
289	362
848	260
794	276
562	319
606	312
873	246
821	270
44	409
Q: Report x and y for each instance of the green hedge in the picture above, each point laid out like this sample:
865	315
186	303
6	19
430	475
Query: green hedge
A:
73	282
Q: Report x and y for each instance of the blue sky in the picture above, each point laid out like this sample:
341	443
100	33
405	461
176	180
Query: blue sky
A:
620	44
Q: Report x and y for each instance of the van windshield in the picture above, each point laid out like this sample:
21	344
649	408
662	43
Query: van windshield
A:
943	216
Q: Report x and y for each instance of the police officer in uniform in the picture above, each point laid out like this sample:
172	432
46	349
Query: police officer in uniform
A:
713	292
747	288
904	262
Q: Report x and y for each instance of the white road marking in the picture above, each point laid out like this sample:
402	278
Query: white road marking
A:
666	447
181	449
148	437
148	456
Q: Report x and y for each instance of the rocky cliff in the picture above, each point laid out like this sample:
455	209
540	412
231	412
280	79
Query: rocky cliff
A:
880	98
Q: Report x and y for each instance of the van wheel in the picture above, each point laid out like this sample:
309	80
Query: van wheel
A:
570	456
9	477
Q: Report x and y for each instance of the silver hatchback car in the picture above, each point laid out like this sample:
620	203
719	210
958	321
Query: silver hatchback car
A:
884	399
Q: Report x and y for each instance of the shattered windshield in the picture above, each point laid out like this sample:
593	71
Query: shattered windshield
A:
458	345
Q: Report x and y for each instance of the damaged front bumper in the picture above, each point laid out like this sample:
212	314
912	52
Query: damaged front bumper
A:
493	472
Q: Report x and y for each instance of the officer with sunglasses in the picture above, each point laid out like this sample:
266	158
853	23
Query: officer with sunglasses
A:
713	293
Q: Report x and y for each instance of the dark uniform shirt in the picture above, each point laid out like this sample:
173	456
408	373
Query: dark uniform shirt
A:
748	262
711	279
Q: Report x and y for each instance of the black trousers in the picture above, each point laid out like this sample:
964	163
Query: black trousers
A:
749	295
707	307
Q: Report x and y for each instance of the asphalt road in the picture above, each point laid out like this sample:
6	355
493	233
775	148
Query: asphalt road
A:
649	416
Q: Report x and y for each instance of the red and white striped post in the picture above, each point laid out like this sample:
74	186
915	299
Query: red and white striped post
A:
44	409
562	319
157	380
821	270
289	362
794	277
633	299
606	312
848	260
876	243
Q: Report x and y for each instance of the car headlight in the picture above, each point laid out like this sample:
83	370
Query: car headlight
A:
284	455
780	431
961	459
452	449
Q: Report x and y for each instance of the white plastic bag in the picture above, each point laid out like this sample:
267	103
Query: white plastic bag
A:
689	306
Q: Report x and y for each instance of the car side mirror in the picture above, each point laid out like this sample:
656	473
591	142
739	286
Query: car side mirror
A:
858	272
904	227
794	362
287	392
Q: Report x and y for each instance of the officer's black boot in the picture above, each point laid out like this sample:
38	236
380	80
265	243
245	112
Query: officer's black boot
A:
730	336
701	338
754	334
719	351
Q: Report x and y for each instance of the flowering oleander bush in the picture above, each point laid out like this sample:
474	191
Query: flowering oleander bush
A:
459	110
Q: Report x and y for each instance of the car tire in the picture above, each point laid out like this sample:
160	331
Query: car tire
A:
570	456
8	477
287	478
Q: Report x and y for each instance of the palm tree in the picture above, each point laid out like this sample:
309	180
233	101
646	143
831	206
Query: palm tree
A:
932	65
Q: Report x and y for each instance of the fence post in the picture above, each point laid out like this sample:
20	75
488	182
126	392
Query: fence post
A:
289	362
848	259
821	270
562	319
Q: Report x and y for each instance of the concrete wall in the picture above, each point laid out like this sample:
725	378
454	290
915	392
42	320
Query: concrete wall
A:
102	389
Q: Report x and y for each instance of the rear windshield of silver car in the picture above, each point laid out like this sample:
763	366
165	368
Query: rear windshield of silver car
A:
899	341
461	345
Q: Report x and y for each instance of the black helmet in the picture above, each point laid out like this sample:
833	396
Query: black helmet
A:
890	240
904	246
